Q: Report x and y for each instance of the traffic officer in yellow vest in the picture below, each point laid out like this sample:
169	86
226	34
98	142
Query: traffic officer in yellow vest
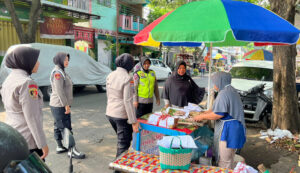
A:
145	86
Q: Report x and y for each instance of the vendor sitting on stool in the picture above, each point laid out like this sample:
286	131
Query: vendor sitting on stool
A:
230	131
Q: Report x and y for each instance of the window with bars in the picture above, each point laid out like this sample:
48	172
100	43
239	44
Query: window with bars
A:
106	3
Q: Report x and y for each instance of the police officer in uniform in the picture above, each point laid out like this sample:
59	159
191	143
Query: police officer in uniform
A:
120	111
145	86
22	99
61	100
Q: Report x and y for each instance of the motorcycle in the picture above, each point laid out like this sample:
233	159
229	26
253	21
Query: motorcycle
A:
34	164
257	105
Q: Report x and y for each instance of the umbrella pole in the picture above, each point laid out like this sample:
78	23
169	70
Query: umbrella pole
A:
209	77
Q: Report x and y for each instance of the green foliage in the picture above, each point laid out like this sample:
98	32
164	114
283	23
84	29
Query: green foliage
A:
111	45
1	58
263	3
161	7
249	47
196	72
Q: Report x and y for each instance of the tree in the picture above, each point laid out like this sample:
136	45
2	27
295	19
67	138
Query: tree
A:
161	7
111	45
285	113
26	35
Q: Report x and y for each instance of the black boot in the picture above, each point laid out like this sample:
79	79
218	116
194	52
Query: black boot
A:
76	154
60	148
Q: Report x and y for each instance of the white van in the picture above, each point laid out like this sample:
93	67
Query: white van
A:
83	69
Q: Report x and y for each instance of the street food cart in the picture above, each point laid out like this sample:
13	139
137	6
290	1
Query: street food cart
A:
145	157
149	163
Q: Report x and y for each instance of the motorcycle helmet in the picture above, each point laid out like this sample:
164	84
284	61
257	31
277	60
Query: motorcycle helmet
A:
12	145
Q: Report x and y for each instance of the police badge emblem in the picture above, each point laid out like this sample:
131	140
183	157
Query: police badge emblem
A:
57	76
33	91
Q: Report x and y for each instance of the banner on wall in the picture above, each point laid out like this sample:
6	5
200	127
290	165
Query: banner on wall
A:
57	26
84	34
82	46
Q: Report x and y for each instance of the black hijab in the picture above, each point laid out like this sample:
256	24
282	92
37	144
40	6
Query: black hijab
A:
23	58
180	90
143	60
125	61
59	59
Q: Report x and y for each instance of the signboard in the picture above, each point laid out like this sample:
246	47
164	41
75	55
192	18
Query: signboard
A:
82	46
148	142
84	34
56	26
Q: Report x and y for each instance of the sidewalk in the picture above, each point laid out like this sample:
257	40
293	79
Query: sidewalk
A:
257	151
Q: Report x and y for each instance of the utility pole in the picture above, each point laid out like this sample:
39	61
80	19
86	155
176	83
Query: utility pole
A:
117	32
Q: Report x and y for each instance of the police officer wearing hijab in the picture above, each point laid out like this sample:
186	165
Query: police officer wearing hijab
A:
145	87
230	129
61	100
180	88
22	99
120	111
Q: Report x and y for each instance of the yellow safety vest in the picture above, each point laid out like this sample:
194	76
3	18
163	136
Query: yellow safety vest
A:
146	84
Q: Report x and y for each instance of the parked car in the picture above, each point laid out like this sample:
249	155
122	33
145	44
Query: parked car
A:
254	82
83	69
161	70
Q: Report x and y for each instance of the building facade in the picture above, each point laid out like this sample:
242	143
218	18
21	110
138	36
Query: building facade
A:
55	25
120	19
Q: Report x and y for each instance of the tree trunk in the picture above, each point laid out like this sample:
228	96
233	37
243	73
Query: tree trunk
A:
285	113
35	11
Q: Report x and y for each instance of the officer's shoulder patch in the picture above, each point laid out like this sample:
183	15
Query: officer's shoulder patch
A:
135	76
57	76
33	91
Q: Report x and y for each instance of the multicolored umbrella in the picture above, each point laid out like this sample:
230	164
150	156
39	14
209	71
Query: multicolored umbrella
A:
221	22
258	54
220	57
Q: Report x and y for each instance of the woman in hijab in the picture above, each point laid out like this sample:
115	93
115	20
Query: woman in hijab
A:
120	111
22	99
145	87
230	129
180	89
60	102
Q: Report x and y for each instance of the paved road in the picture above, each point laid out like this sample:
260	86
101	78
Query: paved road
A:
93	133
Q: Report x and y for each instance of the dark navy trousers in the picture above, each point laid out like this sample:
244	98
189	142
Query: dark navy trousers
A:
61	121
124	133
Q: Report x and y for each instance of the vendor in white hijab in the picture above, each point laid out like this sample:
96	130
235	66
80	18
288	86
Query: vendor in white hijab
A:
230	132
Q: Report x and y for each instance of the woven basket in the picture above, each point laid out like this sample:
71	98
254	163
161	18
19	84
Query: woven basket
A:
175	158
